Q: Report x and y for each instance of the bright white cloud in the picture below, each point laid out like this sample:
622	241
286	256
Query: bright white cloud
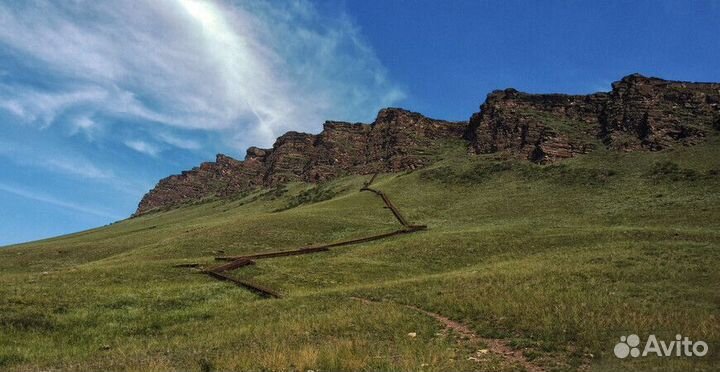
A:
143	147
249	70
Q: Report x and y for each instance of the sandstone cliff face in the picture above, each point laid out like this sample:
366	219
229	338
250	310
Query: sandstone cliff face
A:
639	113
654	113
224	177
539	127
397	140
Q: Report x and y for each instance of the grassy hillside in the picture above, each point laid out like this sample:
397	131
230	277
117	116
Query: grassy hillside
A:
558	261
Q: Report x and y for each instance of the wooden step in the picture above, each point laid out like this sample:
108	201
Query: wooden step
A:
257	288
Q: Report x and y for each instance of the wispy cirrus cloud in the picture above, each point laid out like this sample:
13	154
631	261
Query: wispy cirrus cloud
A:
68	164
143	147
100	99
33	105
179	142
249	70
48	199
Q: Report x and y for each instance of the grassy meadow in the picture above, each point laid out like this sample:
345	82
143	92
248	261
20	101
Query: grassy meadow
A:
557	260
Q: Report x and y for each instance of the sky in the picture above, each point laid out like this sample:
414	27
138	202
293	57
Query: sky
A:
100	100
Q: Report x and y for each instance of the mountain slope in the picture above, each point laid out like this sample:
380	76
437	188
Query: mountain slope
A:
639	113
557	260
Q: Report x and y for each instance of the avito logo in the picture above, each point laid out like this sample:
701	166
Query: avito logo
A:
679	347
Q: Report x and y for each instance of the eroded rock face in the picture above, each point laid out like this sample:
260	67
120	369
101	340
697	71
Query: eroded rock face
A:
397	140
224	177
654	113
539	127
639	113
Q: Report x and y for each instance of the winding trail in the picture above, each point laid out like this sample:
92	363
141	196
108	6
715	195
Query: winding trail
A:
236	262
494	345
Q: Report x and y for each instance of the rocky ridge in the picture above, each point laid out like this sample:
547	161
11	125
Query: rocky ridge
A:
396	140
639	113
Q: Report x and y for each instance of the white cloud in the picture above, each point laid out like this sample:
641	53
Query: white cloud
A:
38	106
143	147
44	198
84	125
249	70
182	143
67	163
79	167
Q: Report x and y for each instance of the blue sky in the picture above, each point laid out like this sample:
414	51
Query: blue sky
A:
99	100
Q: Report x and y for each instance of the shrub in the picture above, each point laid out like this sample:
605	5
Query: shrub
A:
567	175
476	174
313	195
668	170
560	173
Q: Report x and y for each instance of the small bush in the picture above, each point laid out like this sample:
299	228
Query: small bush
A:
206	365
10	359
27	322
670	171
314	195
476	174
274	193
567	175
560	173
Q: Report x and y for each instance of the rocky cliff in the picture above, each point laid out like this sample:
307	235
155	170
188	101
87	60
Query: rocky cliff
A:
397	140
655	114
639	113
539	127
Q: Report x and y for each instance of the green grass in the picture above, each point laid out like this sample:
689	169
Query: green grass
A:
560	259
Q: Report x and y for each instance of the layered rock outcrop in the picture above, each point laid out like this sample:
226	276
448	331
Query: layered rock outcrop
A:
397	140
654	113
539	127
639	113
224	177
